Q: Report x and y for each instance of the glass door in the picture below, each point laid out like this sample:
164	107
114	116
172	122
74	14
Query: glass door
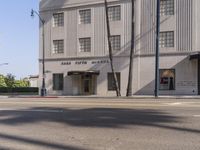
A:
87	85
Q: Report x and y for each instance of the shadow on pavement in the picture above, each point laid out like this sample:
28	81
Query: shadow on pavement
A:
6	148
35	142
93	117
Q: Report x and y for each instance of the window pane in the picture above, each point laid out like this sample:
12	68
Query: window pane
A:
57	81
85	44
167	79
167	7
166	39
58	46
85	16
58	19
111	83
115	42
114	13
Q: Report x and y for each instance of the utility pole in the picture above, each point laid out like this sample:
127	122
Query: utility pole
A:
157	79
110	51
130	77
43	89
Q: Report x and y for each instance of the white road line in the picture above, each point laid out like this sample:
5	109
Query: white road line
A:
40	110
97	104
196	115
172	104
37	110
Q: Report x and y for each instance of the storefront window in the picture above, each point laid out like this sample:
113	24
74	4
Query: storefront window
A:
57	82
167	79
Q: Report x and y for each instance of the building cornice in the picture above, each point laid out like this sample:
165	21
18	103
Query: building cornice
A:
80	4
122	56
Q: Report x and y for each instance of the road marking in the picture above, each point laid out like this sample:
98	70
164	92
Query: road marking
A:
172	104
41	110
87	104
37	110
196	115
97	104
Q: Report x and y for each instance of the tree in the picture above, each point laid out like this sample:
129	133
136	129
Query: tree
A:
21	83
10	80
2	81
110	51
130	76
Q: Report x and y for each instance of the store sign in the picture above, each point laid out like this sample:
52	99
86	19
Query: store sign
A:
100	62
84	62
66	63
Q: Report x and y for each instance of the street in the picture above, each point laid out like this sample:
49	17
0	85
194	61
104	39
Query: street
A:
99	124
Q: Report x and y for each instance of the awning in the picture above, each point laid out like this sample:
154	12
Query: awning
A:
89	72
195	56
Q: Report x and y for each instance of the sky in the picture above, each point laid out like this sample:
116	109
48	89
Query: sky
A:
19	38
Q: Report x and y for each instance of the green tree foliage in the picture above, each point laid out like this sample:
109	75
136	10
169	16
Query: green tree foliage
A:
21	83
10	82
2	81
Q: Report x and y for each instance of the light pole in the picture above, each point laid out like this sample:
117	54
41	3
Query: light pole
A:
157	50
43	89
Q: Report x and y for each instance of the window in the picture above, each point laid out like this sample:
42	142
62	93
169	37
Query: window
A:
58	19
167	39
167	79
85	44
114	13
111	83
57	82
58	46
115	42
166	7
85	16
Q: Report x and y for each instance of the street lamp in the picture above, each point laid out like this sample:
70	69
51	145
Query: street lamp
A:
43	89
157	50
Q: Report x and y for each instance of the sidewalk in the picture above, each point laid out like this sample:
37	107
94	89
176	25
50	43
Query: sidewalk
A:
106	97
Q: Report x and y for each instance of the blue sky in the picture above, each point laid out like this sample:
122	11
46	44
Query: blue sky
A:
19	41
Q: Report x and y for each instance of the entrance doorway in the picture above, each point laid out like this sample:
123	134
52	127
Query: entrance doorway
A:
87	85
84	82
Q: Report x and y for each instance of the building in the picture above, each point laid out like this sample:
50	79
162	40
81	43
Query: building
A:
33	80
76	49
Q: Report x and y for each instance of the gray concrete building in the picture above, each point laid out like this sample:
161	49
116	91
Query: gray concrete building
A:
76	49
33	80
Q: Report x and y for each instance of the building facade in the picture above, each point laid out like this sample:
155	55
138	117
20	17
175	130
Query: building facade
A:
76	48
34	80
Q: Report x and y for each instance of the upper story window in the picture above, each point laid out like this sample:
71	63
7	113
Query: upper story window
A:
58	19
115	42
114	13
85	16
85	44
166	7
58	46
167	39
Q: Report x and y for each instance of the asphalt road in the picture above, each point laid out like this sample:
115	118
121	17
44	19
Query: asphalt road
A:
99	124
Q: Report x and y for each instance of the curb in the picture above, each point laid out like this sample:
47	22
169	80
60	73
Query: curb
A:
103	97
